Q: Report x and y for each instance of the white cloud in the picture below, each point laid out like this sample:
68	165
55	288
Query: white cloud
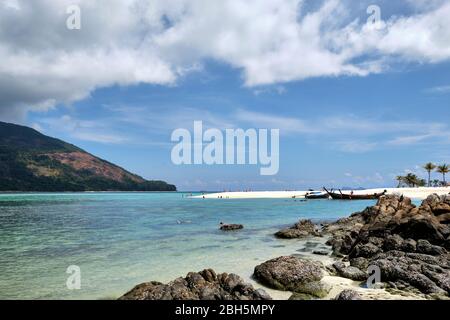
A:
127	42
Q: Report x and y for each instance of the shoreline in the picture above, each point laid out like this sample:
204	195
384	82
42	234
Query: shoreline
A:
420	193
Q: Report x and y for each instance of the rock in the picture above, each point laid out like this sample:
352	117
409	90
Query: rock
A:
366	250
350	272
444	218
321	252
231	227
393	242
302	229
348	295
204	285
316	289
423	246
409	244
353	273
301	296
439	205
396	266
341	244
397	215
288	273
360	263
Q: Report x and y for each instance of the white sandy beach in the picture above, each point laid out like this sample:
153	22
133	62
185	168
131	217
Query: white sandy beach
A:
414	193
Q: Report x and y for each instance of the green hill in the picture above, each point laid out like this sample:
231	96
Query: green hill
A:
31	161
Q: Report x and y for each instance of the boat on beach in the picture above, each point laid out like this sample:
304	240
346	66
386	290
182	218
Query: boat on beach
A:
352	196
317	195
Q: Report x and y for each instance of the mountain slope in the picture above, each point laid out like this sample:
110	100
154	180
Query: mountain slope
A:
31	161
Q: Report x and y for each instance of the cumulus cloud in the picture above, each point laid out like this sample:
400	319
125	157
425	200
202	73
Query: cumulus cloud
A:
127	42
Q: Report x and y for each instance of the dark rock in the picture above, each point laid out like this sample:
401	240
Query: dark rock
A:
393	242
348	295
423	246
395	266
360	263
321	252
288	273
302	229
366	250
409	244
231	227
350	272
204	285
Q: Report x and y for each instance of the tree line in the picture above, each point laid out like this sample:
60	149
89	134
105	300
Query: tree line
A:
412	180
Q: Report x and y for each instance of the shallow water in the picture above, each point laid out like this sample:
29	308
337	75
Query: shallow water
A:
122	239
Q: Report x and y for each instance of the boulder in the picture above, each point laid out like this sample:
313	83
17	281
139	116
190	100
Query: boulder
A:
423	246
321	252
288	273
204	285
231	227
365	250
438	205
348	295
315	289
360	263
409	244
349	272
301	296
421	271
302	229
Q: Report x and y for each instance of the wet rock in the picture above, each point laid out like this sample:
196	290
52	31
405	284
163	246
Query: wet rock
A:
231	227
288	273
321	252
204	285
302	229
348	295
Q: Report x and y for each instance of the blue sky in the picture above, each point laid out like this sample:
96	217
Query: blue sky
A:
377	126
357	108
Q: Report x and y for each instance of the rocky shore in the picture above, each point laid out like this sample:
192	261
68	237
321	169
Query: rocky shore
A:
203	285
408	245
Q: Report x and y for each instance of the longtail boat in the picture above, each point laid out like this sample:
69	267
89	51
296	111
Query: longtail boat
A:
345	196
316	195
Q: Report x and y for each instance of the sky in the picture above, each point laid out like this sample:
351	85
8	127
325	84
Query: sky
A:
357	103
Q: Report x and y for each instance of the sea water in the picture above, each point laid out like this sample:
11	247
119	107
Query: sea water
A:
122	239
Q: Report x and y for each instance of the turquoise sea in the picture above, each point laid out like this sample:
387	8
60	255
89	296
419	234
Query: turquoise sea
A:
122	239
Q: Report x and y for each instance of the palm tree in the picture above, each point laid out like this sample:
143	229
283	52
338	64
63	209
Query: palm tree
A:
411	180
400	180
429	167
444	169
